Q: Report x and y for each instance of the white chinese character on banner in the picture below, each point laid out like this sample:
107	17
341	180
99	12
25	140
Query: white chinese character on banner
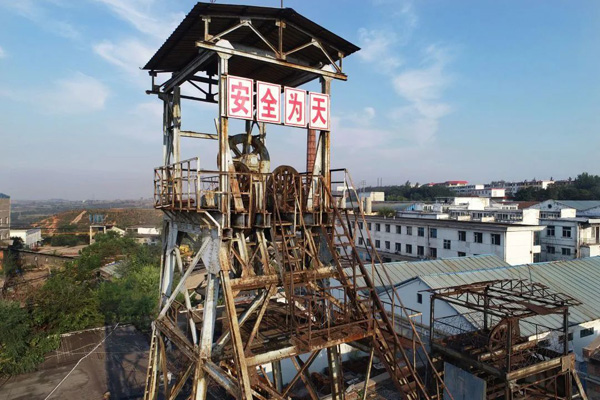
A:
318	112
239	97
268	102
295	107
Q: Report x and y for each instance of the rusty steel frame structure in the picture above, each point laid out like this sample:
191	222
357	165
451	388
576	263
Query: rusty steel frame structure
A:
283	276
514	366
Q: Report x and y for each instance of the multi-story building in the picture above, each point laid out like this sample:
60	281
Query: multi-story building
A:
401	238
495	188
4	217
571	229
512	188
569	238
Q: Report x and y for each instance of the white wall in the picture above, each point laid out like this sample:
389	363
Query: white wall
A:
30	237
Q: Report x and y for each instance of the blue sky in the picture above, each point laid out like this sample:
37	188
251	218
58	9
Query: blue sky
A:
475	90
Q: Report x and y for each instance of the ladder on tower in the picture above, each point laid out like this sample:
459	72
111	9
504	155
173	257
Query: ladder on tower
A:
152	373
388	343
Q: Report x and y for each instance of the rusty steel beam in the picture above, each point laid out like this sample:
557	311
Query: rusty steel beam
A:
257	282
260	55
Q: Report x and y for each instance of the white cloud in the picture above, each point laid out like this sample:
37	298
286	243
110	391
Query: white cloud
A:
35	11
2	53
129	54
419	83
141	15
76	95
377	47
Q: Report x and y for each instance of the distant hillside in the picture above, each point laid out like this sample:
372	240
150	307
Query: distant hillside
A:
77	221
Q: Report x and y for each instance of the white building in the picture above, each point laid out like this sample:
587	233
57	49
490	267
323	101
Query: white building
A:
513	187
569	238
31	237
429	238
571	229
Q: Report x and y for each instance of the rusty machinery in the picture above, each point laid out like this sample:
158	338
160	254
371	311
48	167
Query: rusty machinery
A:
504	335
282	276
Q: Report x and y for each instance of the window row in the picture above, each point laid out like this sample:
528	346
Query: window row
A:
462	235
565	251
566	231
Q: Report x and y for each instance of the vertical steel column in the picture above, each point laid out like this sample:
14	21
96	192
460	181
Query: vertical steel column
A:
335	373
431	321
325	139
277	375
169	262
206	338
176	124
223	139
311	149
566	331
232	318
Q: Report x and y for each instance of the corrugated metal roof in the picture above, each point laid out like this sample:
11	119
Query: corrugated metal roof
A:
580	205
578	278
403	271
180	48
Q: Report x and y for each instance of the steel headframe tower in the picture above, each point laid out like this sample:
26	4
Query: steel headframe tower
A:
282	275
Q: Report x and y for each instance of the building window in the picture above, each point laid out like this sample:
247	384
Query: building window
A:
462	236
398	247
378	243
478	237
462	254
432	252
369	225
433	233
496	239
398	229
566	232
387	245
550	249
387	228
360	241
409	230
387	259
360	225
447	244
561	338
420	298
420	251
566	251
409	248
420	231
536	238
550	230
377	227
586	332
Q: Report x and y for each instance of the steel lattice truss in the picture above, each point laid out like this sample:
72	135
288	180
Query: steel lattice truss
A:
486	338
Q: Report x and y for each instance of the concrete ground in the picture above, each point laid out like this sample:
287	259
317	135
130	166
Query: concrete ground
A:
117	366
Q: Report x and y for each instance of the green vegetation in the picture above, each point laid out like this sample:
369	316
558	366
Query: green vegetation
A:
67	240
386	212
74	298
11	265
584	187
408	192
